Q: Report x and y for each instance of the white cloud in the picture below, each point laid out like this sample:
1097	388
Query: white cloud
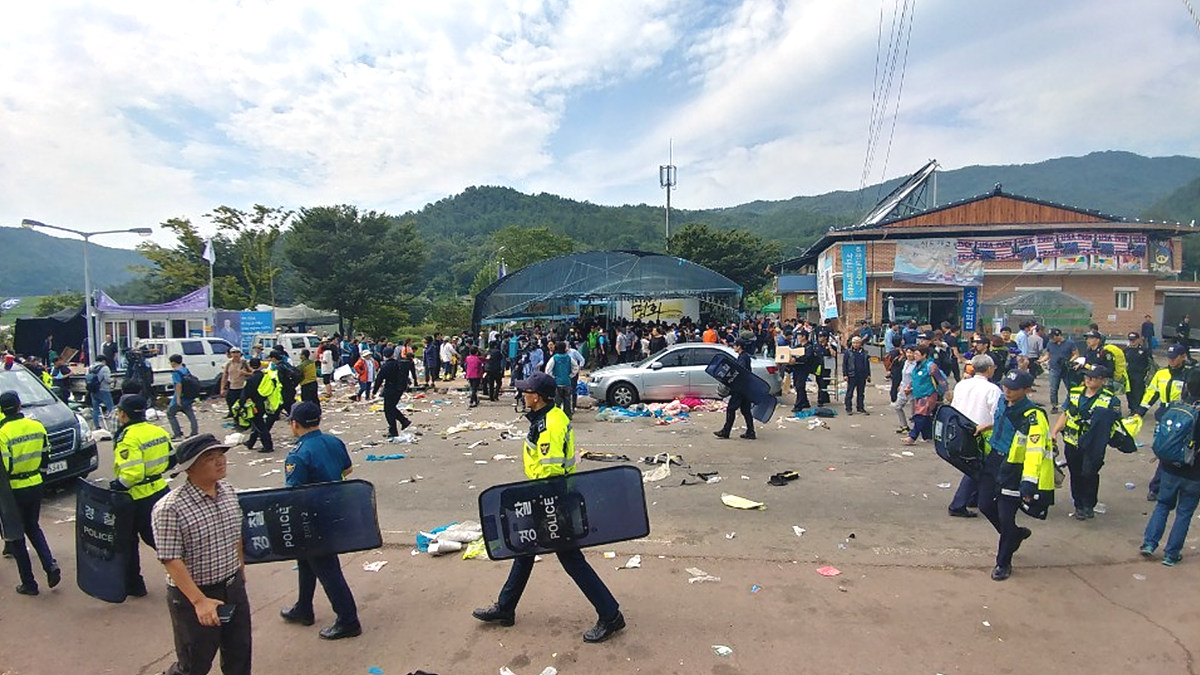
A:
120	114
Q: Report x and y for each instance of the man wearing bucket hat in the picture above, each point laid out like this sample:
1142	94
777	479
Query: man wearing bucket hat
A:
198	528
141	455
549	450
319	458
1017	467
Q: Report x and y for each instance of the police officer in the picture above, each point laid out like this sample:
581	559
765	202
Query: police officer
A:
1082	404
823	359
803	365
550	451
141	455
1017	468
1167	386
319	458
738	402
1138	361
264	391
22	441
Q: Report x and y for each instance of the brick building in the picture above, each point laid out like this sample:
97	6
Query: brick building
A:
958	261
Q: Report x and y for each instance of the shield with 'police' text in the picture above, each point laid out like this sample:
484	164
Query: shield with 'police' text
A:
103	534
309	520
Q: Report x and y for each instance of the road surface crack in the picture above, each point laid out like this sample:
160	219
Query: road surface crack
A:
1187	652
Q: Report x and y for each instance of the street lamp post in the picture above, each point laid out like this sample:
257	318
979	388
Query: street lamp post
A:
666	180
87	278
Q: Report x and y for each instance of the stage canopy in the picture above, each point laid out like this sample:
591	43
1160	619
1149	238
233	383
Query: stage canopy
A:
557	288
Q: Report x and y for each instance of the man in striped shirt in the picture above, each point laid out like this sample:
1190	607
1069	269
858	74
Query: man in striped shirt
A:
198	529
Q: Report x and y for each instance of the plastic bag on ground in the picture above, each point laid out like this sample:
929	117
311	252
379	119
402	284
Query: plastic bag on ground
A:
736	502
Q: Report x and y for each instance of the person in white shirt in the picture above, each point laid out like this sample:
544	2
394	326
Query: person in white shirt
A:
976	398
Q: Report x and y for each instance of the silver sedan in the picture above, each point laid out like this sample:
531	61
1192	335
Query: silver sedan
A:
675	372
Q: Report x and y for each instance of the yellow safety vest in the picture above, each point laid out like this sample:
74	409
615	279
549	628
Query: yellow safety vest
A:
1120	373
1164	386
550	446
22	442
271	391
1105	398
141	457
1033	451
47	380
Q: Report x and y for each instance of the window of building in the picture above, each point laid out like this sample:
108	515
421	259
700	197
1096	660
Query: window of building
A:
1124	300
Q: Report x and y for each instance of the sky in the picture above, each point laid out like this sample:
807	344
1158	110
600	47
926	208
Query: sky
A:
121	114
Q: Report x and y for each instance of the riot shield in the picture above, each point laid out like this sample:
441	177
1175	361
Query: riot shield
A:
565	512
310	520
103	533
726	370
11	528
954	440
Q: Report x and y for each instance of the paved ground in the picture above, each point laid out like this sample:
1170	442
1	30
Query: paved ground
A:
913	595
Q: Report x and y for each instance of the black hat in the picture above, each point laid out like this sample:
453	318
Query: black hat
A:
1055	331
539	383
1097	370
1134	336
10	402
1017	379
255	362
1176	350
306	413
1094	334
133	404
190	450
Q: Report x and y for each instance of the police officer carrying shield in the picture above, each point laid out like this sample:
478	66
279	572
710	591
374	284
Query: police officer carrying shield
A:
803	364
141	455
550	451
22	441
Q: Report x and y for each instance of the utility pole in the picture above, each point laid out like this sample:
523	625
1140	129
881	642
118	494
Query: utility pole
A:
666	180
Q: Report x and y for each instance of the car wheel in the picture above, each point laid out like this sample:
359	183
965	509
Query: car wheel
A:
622	394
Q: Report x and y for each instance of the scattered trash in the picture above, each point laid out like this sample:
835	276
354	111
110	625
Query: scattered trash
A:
664	458
475	549
699	576
1129	486
907	453
506	671
712	480
411	480
783	478
472	426
755	588
987	624
476	444
234	439
374	566
374	670
736	502
403	437
439	547
1140	577
799	530
721	650
632	564
944	486
501	458
610	554
68	519
1100	508
383	458
731	535
481	461
603	456
551	670
828	571
744	477
657	473
268	473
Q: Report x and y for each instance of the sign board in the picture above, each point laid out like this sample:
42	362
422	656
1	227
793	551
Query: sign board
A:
826	297
670	309
310	520
854	272
253	323
583	509
970	313
103	533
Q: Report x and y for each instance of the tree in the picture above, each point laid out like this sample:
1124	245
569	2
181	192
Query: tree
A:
49	304
450	314
737	254
351	262
253	236
182	269
519	247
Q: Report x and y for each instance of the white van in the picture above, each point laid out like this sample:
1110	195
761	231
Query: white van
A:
204	358
292	343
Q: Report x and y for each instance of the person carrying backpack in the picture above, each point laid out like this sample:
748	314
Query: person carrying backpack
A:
1175	446
1167	386
1085	451
99	388
187	390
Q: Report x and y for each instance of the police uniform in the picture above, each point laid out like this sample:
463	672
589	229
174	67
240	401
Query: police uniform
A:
549	450
22	443
803	365
320	458
141	455
1138	360
1017	468
1085	474
822	357
264	390
739	403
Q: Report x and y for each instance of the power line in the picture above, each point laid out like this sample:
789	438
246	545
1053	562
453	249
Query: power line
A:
885	77
1192	10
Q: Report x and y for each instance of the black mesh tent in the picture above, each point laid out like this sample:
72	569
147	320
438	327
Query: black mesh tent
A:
557	288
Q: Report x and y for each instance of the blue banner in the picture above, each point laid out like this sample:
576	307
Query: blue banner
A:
854	272
970	307
253	324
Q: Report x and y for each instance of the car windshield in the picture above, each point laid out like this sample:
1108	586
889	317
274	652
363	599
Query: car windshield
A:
32	392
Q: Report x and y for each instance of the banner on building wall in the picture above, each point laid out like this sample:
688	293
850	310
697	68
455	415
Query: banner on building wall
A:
970	313
672	309
826	296
1069	263
1052	246
1105	262
1129	263
1163	258
1038	265
854	272
252	324
934	261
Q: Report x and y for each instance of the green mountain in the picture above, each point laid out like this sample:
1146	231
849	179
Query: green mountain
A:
1182	205
34	263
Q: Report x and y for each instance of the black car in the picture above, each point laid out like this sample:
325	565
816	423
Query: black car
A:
72	450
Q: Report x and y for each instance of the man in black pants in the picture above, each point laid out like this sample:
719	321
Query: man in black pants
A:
856	369
803	363
394	381
493	372
737	402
